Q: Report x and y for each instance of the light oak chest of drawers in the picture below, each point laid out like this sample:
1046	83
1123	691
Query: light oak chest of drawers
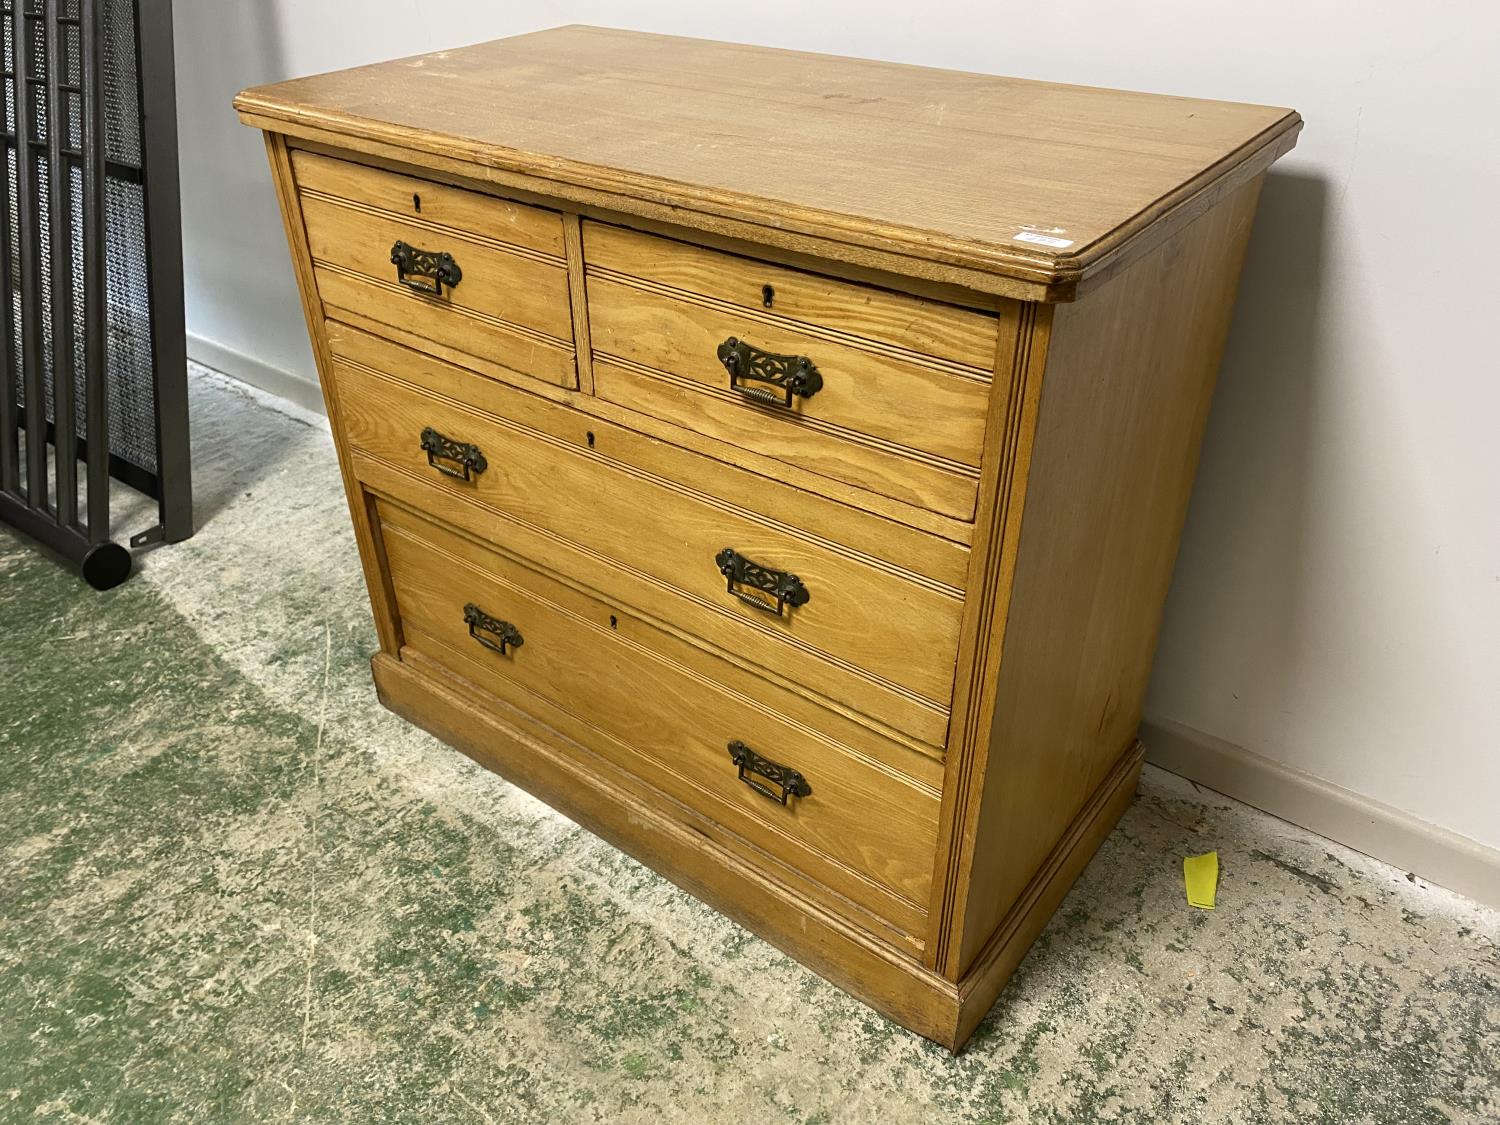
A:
775	461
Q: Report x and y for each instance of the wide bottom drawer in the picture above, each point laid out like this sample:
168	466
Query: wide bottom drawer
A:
848	822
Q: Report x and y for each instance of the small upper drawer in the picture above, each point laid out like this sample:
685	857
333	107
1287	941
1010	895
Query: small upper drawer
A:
963	336
449	270
858	409
438	205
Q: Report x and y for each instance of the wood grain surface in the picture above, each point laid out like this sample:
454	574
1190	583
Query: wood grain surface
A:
869	617
775	489
874	313
896	398
876	825
1124	398
518	289
426	201
931	163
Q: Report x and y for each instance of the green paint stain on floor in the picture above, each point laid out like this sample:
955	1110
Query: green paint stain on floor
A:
233	889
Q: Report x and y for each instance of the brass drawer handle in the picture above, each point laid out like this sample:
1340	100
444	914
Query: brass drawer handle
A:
437	266
440	450
479	622
789	374
788	781
737	570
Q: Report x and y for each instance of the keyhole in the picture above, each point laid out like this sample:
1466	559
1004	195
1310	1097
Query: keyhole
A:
767	295
614	622
590	436
416	201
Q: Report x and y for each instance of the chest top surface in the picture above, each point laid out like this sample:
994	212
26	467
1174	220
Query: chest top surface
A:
975	170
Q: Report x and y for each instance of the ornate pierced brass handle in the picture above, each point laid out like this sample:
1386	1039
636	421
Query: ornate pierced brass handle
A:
505	635
437	267
788	374
739	571
443	453
788	782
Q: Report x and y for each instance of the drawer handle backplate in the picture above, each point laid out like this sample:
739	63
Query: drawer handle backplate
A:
738	571
788	782
506	636
788	374
425	271
443	453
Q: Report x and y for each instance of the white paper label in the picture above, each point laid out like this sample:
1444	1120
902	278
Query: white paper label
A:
1043	239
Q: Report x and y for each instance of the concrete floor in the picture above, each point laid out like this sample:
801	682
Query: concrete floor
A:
232	888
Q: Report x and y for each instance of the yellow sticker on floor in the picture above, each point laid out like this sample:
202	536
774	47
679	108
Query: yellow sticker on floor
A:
1201	873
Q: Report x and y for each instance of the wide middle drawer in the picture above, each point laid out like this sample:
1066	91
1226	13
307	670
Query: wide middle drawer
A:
860	613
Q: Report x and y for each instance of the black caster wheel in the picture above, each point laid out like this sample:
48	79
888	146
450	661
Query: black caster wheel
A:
106	565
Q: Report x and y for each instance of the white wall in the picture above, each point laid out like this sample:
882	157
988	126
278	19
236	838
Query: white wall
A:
1337	602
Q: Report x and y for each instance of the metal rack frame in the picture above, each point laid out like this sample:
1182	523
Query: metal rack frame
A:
52	110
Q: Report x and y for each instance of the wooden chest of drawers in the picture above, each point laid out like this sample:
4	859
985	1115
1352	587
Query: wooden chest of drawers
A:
774	461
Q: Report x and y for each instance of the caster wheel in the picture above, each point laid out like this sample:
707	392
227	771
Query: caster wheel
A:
106	565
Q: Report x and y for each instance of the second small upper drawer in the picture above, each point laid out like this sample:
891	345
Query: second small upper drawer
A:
817	372
962	336
461	271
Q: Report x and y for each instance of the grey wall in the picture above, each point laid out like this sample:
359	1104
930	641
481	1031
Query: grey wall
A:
238	281
1337	603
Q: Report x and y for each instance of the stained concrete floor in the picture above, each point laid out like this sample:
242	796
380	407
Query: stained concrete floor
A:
233	889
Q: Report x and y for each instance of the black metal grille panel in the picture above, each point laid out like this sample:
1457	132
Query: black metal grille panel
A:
122	104
93	371
131	399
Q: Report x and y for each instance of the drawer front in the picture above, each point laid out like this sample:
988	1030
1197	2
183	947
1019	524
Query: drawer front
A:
515	631
864	615
433	261
962	336
901	424
441	205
